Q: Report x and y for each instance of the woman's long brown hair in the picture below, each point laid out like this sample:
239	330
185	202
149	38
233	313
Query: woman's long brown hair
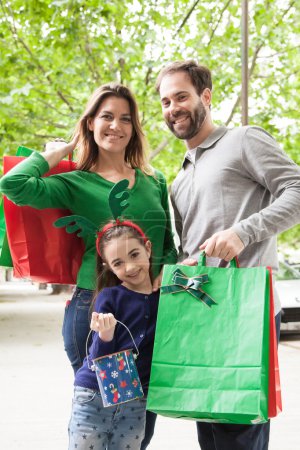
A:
135	153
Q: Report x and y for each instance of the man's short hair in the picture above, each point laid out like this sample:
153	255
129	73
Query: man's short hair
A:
200	76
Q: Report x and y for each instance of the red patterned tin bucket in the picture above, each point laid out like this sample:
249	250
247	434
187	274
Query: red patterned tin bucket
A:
117	376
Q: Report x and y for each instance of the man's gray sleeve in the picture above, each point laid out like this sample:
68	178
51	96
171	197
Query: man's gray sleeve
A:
265	163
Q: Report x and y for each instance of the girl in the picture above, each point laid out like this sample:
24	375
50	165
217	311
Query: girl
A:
123	265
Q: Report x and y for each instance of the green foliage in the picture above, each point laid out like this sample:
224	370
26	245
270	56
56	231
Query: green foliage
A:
55	53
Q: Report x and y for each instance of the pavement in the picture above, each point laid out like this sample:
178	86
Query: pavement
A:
36	380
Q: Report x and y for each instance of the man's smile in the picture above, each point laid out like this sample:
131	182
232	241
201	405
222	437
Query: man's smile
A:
180	120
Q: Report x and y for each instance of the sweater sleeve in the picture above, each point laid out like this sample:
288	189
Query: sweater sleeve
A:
98	347
170	252
25	185
268	165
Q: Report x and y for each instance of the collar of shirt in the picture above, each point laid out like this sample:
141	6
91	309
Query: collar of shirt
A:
209	142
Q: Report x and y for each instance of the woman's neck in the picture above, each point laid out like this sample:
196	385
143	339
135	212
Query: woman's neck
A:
113	168
109	162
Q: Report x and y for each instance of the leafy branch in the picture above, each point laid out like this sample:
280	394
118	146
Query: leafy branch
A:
225	7
255	57
16	37
186	18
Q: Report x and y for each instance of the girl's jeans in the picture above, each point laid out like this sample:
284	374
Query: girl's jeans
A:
114	428
76	327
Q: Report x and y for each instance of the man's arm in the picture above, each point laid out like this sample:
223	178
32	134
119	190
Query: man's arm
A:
266	164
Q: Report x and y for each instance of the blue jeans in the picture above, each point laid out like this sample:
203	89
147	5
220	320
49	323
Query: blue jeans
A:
114	428
218	436
76	327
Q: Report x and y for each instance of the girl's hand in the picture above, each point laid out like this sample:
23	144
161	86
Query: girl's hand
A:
104	325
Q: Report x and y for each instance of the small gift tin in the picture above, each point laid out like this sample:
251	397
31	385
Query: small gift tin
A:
117	376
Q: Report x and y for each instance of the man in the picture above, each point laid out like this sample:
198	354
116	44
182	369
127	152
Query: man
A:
235	191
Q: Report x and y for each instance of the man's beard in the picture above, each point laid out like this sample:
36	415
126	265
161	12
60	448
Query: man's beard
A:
197	118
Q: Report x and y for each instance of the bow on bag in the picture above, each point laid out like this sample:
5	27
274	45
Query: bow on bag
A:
191	285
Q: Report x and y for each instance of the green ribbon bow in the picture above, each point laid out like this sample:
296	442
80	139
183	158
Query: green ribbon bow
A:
191	285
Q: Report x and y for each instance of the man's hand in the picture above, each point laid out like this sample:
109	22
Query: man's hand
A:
188	262
224	245
104	325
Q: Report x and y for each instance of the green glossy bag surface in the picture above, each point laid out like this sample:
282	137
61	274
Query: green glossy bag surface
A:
210	359
5	256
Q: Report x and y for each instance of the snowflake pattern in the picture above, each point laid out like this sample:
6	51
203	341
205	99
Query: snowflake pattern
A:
118	378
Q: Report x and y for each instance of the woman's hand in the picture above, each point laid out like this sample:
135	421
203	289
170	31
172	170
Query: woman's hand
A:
58	149
104	325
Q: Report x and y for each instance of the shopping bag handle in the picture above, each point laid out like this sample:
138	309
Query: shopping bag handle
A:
234	263
135	355
25	151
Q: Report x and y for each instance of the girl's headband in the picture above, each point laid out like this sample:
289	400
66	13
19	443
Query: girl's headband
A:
118	223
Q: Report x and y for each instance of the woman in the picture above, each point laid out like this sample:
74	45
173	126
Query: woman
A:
111	147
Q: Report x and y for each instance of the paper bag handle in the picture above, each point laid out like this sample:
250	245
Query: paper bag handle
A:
135	355
202	261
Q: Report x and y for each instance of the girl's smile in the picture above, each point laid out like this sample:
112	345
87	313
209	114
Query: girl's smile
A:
129	260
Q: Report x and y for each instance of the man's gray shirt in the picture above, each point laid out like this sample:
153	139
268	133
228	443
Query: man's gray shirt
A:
241	179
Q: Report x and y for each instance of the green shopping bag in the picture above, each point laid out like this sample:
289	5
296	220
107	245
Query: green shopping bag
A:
211	352
2	223
5	256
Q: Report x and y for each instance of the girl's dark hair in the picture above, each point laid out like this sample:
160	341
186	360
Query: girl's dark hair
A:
105	277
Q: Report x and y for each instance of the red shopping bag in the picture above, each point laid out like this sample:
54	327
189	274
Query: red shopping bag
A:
274	389
40	251
275	402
